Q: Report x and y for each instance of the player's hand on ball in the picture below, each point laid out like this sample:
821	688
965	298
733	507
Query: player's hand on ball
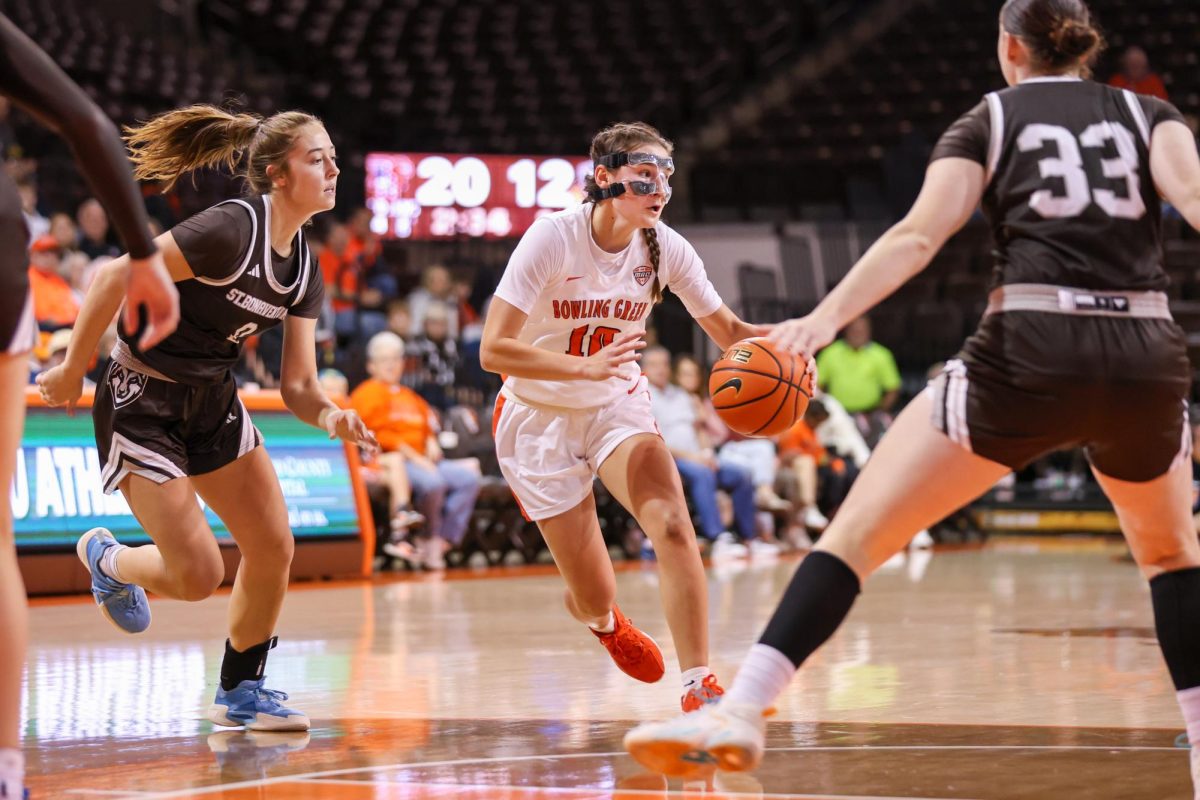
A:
59	387
804	335
608	361
346	425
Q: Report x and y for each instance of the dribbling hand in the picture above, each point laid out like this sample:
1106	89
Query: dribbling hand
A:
346	425
59	387
150	285
608	361
804	335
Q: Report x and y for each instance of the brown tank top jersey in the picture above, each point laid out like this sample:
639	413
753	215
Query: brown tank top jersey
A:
1069	193
241	288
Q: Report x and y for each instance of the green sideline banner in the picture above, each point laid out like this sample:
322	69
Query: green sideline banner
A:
57	495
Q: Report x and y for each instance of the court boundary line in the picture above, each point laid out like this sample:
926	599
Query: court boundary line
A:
635	792
320	774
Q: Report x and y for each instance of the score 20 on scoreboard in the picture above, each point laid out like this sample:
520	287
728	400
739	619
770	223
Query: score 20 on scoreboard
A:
431	196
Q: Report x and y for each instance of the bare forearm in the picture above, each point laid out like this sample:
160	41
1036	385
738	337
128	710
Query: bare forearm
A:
508	356
896	257
306	401
100	305
1190	210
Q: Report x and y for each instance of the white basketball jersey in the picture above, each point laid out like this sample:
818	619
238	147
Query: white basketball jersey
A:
578	298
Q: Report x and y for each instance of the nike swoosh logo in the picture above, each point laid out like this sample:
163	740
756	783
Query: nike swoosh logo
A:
732	383
573	278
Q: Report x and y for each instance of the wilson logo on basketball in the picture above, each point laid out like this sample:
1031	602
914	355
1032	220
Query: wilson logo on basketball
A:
642	275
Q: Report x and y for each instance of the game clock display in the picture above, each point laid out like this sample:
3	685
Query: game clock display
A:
431	196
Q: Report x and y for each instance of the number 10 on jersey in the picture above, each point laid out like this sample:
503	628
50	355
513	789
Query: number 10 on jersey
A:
601	337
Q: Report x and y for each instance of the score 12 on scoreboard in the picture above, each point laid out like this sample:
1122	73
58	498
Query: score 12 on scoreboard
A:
430	196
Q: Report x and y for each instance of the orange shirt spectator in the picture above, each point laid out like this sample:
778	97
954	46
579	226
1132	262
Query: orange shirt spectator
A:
395	414
340	269
55	304
801	440
1136	75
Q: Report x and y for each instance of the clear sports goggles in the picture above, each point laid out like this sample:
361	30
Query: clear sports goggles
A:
664	166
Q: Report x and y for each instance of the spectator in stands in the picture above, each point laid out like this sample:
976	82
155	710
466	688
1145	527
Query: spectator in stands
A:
399	321
355	305
436	284
34	220
445	491
434	358
93	230
63	229
837	431
365	245
470	322
814	478
675	412
55	302
335	385
1136	76
756	455
861	375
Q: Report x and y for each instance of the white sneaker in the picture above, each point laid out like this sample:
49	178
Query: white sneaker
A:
764	550
725	735
727	546
799	539
922	540
432	552
813	518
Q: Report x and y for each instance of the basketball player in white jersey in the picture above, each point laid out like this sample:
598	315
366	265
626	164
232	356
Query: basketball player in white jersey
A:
565	328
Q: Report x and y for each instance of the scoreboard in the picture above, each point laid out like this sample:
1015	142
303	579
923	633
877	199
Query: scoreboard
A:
432	196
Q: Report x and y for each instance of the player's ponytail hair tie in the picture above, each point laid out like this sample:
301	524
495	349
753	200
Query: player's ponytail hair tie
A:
1060	34
170	145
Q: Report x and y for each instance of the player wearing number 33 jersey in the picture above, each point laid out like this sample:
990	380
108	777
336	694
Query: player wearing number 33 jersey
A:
1077	322
564	327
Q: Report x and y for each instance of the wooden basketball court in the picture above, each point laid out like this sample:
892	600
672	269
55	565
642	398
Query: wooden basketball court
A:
1022	670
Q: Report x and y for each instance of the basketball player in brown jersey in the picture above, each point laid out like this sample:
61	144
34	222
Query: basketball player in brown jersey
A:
1077	348
169	423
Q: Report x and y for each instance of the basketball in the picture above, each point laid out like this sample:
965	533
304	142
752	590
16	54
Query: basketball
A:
758	390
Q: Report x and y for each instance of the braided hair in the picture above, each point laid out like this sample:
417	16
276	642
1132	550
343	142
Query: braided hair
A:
626	137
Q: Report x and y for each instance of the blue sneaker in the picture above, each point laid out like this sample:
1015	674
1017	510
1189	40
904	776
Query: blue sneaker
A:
256	708
124	604
16	792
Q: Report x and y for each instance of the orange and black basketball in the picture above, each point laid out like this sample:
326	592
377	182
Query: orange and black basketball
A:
758	390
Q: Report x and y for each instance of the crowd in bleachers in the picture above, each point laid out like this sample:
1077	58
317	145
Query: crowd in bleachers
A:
403	343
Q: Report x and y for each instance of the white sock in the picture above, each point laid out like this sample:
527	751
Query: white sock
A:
108	562
12	772
610	625
764	675
694	676
1189	703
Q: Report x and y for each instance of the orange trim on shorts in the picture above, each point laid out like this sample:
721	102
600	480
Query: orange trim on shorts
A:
500	400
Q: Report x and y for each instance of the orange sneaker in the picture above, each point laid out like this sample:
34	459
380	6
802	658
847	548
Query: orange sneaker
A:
634	652
698	697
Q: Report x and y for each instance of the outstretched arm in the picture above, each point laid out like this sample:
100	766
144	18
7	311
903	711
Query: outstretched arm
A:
40	87
301	390
1175	166
952	190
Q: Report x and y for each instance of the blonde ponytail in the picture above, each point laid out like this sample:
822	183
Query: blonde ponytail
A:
187	139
